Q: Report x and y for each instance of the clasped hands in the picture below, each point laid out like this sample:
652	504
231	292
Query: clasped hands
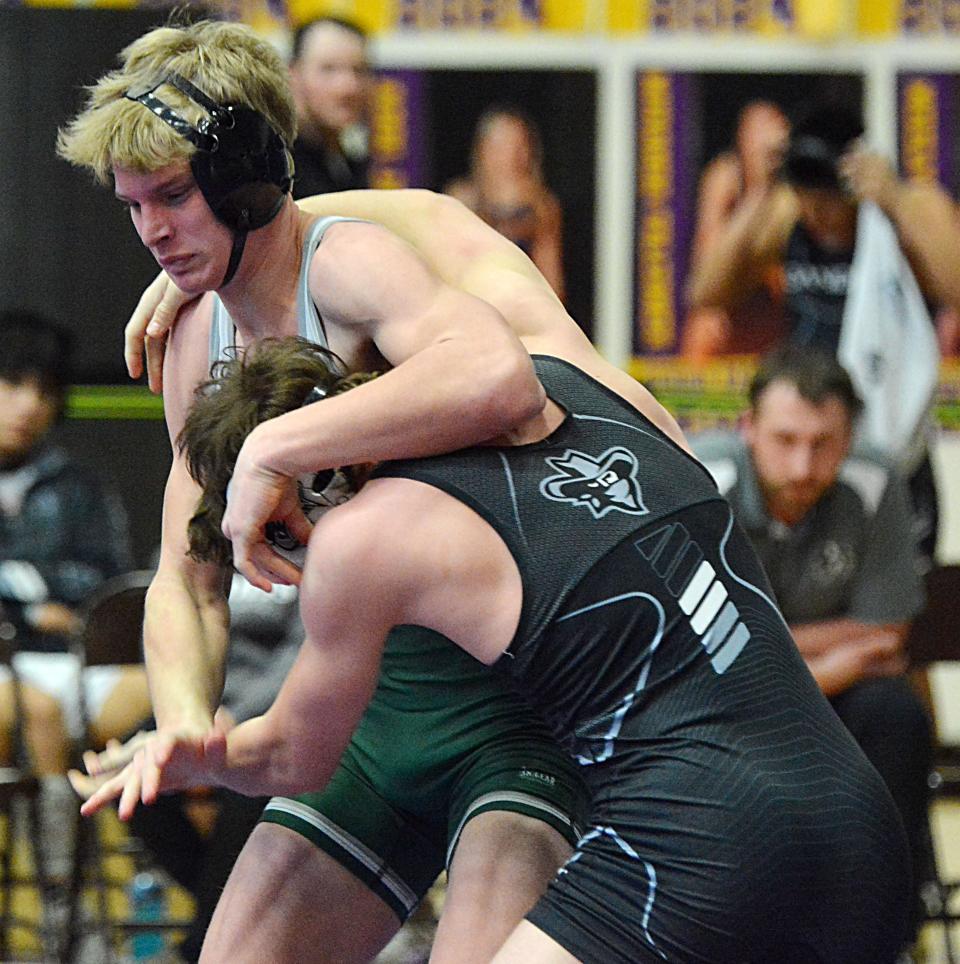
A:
151	763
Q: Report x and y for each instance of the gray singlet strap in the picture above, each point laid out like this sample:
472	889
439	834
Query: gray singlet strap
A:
309	322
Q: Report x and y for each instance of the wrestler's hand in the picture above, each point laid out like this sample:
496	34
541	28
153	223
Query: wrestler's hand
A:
146	331
258	495
114	756
163	763
869	177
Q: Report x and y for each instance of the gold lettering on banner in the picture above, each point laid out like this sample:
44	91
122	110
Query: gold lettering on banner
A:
390	121
388	141
655	268
921	129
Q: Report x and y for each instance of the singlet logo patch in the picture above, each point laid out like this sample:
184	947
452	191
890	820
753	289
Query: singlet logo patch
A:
602	484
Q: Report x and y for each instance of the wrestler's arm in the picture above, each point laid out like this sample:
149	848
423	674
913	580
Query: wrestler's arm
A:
399	552
186	620
754	239
924	216
457	367
447	235
460	376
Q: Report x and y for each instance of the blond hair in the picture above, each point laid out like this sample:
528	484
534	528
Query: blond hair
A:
227	61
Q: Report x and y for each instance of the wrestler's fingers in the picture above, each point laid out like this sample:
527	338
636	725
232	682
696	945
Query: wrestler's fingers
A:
155	349
84	786
275	567
107	793
114	756
131	794
262	567
249	570
152	764
136	328
299	526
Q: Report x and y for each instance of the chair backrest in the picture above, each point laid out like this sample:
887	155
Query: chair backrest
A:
934	635
111	621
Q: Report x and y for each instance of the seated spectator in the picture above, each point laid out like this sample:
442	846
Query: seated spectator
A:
745	172
807	224
61	534
505	187
834	535
330	80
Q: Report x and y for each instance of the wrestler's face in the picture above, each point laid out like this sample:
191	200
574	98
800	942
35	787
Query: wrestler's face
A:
761	143
330	79
797	448
505	147
27	412
175	222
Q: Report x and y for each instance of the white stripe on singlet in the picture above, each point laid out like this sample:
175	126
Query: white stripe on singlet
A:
354	847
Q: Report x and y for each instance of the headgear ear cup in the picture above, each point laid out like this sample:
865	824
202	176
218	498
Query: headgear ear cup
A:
246	178
241	164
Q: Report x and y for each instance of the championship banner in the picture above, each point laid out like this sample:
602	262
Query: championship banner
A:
470	14
714	395
398	148
929	16
668	113
927	122
702	16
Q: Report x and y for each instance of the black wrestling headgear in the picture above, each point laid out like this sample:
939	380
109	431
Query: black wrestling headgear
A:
241	164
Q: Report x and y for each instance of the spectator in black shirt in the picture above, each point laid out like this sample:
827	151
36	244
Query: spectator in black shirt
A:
329	75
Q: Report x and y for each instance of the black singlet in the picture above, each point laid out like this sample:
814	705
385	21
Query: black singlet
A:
734	817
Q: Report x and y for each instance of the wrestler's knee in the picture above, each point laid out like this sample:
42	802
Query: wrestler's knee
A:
503	844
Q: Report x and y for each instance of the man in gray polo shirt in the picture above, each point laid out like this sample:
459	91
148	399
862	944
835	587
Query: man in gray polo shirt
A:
833	532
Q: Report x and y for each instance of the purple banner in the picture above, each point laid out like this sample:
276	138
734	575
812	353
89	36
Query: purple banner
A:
398	140
667	132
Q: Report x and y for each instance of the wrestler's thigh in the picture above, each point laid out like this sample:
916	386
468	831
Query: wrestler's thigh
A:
529	945
503	864
288	901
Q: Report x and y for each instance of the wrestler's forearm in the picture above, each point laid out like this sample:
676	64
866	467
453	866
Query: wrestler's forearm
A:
262	761
733	265
928	227
185	645
815	639
716	279
437	401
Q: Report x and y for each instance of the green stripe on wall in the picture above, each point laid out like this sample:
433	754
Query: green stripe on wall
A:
113	402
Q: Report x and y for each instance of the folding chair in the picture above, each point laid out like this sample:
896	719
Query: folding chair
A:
111	627
935	637
19	782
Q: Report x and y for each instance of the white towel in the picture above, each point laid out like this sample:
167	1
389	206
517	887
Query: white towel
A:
887	341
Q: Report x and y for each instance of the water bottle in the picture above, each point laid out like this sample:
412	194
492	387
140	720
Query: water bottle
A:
147	898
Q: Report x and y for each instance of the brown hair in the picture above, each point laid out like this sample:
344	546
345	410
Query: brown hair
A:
271	377
816	374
